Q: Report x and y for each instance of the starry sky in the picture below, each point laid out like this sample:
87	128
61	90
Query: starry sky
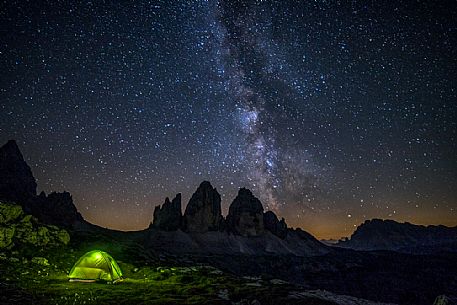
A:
331	112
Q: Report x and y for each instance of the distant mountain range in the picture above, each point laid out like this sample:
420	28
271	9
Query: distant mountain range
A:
378	234
247	229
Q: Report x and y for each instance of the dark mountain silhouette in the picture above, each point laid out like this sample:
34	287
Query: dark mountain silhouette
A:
18	185
168	217
203	212
202	229
380	234
245	216
274	225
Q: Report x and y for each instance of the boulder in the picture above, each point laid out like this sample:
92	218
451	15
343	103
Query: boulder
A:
245	215
10	213
27	233
26	230
203	212
38	260
275	226
59	236
6	236
17	183
168	216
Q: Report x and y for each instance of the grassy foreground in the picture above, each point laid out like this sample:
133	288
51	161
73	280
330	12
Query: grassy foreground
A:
43	280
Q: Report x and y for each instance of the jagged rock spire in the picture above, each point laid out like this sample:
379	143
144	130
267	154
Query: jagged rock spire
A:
245	215
17	183
274	225
168	217
203	212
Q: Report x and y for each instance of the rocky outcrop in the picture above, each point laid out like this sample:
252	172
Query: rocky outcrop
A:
445	300
245	215
19	229
17	183
168	217
9	213
275	226
56	208
203	212
377	234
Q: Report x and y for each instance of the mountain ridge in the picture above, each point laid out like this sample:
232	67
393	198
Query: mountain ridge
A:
379	234
247	229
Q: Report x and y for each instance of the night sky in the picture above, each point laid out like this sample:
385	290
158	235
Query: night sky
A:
330	112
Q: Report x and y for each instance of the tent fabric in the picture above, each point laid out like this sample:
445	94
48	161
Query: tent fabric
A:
96	265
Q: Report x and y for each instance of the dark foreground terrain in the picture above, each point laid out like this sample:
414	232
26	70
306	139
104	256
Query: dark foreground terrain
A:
35	265
36	258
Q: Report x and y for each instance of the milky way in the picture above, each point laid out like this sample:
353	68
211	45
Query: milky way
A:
332	113
250	56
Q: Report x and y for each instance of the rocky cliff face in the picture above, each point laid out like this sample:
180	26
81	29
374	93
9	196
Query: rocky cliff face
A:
203	212
56	208
275	226
380	234
17	183
168	217
245	215
234	236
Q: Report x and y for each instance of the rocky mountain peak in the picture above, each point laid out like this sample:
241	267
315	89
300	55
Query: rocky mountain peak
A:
168	217
247	201
12	149
17	183
245	215
56	208
203	212
274	225
387	234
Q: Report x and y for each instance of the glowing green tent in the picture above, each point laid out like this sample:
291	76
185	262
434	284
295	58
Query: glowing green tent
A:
95	265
